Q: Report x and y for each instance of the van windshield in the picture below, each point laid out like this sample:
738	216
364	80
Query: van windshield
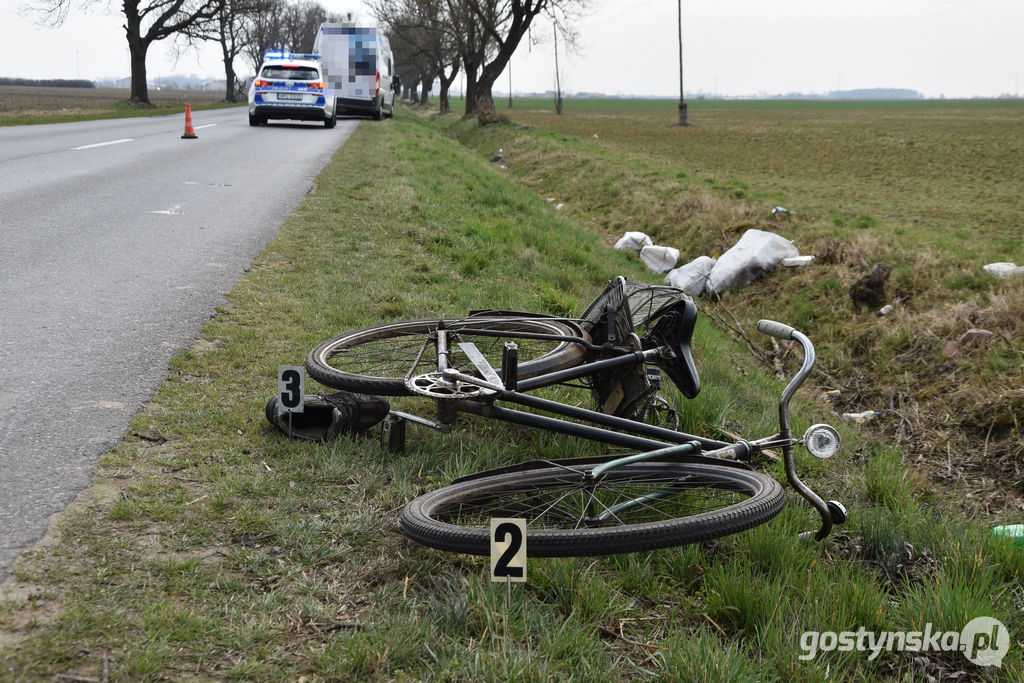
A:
290	73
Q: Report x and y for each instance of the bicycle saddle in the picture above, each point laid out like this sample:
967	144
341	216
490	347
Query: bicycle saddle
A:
675	329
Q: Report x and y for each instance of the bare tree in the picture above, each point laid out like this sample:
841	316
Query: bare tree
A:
424	42
279	25
473	42
301	22
146	21
506	24
229	30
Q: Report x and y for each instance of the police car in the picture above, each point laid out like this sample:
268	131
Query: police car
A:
290	86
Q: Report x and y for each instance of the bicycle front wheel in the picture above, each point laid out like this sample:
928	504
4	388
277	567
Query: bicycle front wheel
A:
376	360
641	506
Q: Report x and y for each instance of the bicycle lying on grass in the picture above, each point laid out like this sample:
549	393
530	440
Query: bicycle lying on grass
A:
676	489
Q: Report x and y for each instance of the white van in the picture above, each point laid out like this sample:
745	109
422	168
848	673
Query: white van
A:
358	69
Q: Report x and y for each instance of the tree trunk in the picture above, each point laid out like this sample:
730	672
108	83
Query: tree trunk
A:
137	48
470	93
446	84
425	91
229	74
485	111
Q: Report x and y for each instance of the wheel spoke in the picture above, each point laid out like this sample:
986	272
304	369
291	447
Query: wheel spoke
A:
651	504
625	501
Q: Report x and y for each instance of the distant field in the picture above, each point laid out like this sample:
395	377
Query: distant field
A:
614	104
20	105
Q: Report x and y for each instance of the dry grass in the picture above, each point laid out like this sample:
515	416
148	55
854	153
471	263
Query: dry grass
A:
25	104
933	193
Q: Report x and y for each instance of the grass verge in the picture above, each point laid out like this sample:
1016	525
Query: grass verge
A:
222	551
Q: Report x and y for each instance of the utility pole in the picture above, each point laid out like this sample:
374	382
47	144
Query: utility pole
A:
558	81
682	97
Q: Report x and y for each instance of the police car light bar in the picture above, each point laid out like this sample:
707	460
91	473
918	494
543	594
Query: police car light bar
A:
290	55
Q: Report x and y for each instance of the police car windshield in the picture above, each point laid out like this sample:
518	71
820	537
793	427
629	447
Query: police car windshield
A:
290	73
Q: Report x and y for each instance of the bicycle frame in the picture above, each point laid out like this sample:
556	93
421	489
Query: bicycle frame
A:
653	442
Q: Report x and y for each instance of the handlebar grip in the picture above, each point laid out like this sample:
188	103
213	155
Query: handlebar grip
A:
774	329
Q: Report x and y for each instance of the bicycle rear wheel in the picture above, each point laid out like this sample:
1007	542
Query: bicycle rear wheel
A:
376	360
641	506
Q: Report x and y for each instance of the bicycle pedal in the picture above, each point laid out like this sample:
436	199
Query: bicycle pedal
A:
392	434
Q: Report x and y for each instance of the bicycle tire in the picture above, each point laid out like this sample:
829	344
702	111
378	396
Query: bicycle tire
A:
375	360
457	517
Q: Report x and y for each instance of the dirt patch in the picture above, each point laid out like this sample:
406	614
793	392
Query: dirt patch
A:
32	603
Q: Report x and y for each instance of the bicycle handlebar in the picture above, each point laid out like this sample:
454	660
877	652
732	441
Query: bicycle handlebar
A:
781	331
774	329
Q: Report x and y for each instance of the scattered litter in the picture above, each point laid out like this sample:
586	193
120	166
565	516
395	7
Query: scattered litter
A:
950	348
497	158
870	290
792	261
973	335
549	199
756	253
693	277
634	240
778	209
1013	532
831	395
888	308
1004	270
524	127
558	207
861	417
660	259
595	135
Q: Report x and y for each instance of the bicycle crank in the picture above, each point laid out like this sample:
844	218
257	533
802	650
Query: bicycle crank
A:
434	385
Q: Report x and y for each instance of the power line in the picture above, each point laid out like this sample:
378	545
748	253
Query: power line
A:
605	21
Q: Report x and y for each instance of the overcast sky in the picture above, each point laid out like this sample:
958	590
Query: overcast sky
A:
956	48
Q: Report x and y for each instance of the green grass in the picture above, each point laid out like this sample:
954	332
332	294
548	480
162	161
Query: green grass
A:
222	551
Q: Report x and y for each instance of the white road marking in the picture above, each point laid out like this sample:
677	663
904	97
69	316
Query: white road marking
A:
103	144
209	125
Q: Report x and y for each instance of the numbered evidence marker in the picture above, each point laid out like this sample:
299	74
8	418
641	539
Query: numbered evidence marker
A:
291	390
291	387
508	550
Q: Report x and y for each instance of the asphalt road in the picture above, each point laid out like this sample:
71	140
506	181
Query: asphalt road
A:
118	239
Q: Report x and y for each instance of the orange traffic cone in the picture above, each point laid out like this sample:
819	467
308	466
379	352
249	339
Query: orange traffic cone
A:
190	132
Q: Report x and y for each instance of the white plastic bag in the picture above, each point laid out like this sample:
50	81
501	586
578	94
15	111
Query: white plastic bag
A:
756	253
1003	270
634	240
693	277
660	259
